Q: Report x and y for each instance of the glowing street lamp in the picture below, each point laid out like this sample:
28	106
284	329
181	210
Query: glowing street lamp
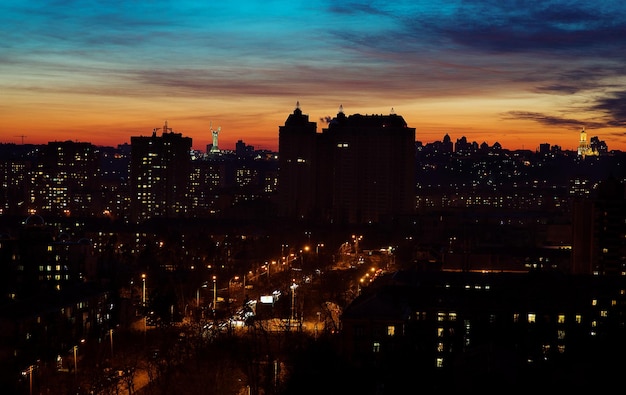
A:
75	349
293	298
356	239
143	294
204	285
111	337
29	371
214	293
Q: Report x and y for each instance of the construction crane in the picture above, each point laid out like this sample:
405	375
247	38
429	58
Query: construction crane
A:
22	136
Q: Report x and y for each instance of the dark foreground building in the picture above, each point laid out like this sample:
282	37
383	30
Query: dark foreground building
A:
487	331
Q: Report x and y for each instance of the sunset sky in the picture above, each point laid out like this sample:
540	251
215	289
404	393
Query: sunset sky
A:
516	72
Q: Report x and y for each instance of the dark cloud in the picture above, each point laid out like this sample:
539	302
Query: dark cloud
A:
561	89
573	28
545	119
614	106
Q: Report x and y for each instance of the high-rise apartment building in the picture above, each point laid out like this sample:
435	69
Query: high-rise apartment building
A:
160	168
297	165
359	170
14	181
599	231
65	181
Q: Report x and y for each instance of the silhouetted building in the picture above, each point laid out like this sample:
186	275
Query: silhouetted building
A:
465	330
40	259
243	150
359	170
160	170
297	166
50	298
599	229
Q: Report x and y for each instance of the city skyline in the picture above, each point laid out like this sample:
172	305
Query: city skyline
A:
517	75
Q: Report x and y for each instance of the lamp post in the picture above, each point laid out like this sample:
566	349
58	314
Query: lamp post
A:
214	294
204	285
293	298
29	372
143	292
111	337
75	349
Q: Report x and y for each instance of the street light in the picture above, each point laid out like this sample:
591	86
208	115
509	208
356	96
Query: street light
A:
293	298
143	294
75	349
204	285
356	239
111	336
29	372
214	294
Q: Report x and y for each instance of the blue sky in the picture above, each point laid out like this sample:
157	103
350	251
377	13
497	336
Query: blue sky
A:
517	72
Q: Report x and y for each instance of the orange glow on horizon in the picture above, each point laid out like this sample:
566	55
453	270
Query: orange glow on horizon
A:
259	126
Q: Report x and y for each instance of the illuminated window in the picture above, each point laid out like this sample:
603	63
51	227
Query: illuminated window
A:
441	316
531	318
439	347
391	330
561	319
560	334
376	347
516	317
604	313
452	317
439	362
594	323
594	302
439	332
578	318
